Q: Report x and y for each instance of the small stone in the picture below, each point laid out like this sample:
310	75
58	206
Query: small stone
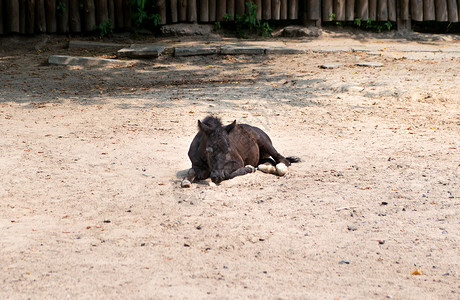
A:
142	244
345	261
330	66
198	227
370	64
381	242
107	221
352	228
384	203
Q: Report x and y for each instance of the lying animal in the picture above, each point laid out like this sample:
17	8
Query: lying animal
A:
224	152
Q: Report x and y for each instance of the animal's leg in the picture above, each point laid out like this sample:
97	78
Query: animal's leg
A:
193	174
242	171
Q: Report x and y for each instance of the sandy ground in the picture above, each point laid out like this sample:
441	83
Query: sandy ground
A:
91	161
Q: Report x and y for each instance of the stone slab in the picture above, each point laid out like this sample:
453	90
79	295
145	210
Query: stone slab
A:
277	50
330	66
370	64
191	51
240	50
91	44
84	61
141	51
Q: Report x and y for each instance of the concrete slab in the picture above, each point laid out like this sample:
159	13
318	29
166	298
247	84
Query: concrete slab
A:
370	64
239	50
141	51
91	44
191	51
277	50
85	61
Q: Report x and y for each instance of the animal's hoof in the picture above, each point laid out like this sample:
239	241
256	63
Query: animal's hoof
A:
186	183
251	167
281	169
267	168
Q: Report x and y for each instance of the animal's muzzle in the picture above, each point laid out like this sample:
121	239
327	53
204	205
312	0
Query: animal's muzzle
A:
217	177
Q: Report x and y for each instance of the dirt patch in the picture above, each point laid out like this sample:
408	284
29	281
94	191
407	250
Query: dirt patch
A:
92	157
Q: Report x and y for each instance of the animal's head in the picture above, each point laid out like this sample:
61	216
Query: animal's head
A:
217	146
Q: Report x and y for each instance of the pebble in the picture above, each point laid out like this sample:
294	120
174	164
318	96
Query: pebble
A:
330	66
345	261
352	228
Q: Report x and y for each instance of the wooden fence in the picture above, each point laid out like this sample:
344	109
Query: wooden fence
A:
63	16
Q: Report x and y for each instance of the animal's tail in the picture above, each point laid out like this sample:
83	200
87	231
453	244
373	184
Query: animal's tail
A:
293	159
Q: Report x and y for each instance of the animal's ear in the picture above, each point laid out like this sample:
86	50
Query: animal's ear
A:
204	128
230	127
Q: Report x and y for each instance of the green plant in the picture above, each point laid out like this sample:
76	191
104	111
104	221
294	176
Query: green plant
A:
249	22
104	29
60	8
143	16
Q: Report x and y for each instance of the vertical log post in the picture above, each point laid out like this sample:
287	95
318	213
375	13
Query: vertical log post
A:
102	12
173	9
350	10
276	9
452	11
429	10
292	9
40	17
221	9
212	10
182	10
283	9
127	14
259	8
161	6
231	9
339	9
441	10
204	11
239	7
362	10
403	20
111	9
373	9
74	16
30	16
12	16
382	10
191	11
392	10
2	28
416	10
89	15
327	9
51	22
63	16
22	16
312	13
119	19
267	9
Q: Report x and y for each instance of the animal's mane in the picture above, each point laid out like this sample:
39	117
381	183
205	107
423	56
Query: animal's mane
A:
212	122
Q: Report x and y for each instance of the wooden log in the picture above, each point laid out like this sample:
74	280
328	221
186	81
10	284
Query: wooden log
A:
452	10
63	16
276	9
362	10
259	8
372	10
74	16
191	11
127	22
204	11
231	9
111	8
283	9
40	16
416	10
102	12
292	9
392	10
212	10
339	9
327	9
221	10
161	7
89	15
240	7
22	16
12	16
267	9
2	28
51	22
404	10
182	10
429	10
312	10
30	16
441	10
119	19
382	10
350	10
173	10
